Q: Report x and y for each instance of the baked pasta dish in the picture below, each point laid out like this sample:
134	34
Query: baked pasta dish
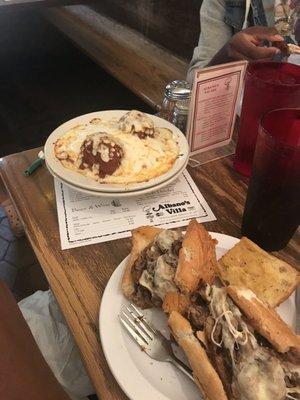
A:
129	150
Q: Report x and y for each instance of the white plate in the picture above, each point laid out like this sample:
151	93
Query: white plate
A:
140	377
79	180
118	194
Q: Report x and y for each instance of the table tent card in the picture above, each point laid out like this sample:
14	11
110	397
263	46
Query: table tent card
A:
215	99
85	219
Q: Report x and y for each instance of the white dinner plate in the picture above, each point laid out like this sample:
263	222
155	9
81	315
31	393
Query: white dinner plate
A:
118	194
140	377
79	180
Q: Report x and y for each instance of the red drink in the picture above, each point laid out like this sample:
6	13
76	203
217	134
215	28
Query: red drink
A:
272	210
268	86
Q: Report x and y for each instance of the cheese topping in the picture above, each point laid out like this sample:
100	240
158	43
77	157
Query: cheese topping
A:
158	277
149	153
136	122
261	377
259	374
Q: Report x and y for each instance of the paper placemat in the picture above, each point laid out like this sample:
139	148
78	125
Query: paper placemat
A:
87	219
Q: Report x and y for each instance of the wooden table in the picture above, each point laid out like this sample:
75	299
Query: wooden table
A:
78	276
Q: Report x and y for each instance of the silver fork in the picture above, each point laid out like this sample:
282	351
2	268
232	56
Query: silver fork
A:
150	340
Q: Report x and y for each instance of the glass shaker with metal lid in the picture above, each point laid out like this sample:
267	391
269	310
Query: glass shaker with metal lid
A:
176	101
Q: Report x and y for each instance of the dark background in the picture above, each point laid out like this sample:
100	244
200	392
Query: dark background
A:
173	24
45	80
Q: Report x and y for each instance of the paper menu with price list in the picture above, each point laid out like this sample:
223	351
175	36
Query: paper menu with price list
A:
87	220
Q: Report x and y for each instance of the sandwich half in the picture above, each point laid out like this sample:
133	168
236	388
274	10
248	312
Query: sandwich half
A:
166	265
232	335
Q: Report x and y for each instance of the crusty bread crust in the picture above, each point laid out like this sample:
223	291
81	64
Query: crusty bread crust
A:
197	258
247	265
205	375
175	301
141	238
265	320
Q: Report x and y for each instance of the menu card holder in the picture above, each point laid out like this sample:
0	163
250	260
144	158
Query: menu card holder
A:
215	99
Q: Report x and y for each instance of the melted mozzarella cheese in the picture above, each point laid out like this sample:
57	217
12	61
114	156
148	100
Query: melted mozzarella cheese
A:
261	377
143	159
73	140
135	121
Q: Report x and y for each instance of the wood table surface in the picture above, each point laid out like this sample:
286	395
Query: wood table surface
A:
78	276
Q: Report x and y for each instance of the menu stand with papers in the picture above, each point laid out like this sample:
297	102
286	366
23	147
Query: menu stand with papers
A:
215	98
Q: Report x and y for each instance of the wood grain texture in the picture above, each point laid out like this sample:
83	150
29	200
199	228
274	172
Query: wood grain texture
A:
138	63
78	276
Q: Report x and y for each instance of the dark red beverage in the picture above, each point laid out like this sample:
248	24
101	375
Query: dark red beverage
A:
272	210
268	86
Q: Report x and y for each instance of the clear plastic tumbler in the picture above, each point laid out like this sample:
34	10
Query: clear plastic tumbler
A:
268	86
272	210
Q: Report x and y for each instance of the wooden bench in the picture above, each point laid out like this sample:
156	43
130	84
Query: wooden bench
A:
138	63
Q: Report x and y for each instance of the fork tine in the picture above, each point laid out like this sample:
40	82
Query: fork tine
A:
136	328
142	318
133	333
139	321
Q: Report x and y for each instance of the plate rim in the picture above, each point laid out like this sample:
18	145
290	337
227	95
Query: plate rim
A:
70	176
126	194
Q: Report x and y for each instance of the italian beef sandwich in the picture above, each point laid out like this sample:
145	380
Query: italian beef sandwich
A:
238	346
166	265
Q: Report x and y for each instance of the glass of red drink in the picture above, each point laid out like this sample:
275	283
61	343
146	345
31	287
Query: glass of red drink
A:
272	210
268	86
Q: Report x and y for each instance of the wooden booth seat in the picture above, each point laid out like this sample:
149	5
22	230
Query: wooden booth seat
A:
137	62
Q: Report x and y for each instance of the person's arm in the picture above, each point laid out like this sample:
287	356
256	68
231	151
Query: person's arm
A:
248	45
214	34
217	44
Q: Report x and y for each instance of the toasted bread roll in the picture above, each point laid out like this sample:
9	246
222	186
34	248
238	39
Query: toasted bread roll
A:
197	258
247	265
175	301
205	375
265	320
141	238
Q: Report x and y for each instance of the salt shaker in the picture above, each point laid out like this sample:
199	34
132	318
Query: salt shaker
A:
176	102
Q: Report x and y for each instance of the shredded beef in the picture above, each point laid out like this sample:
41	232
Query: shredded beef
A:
147	261
144	299
220	358
199	297
197	315
293	380
138	267
176	246
262	341
198	311
152	253
291	356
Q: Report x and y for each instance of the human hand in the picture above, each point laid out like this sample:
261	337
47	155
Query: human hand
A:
248	44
